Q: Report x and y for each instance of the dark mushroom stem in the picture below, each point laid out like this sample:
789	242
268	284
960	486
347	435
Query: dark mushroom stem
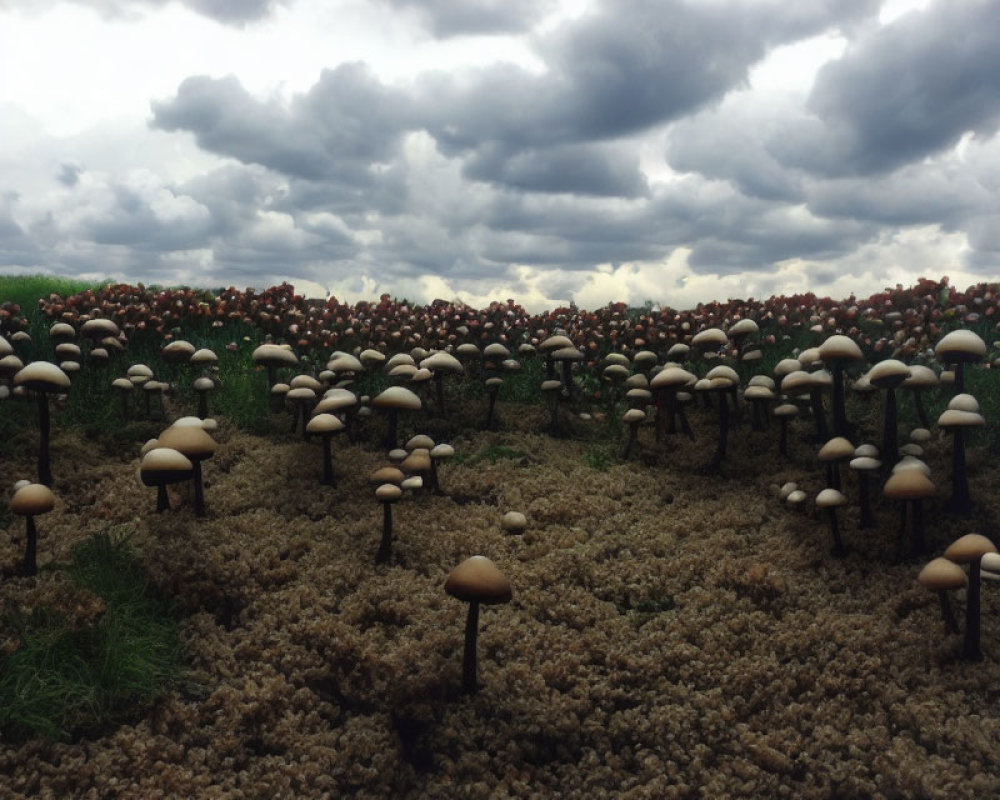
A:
961	500
819	415
970	648
469	659
30	566
492	391
890	433
199	489
328	477
919	404
947	613
44	427
839	551
633	433
918	544
385	547
162	500
391	429
720	451
867	519
839	411
783	436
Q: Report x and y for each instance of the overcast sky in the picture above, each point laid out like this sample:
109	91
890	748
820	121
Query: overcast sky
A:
545	150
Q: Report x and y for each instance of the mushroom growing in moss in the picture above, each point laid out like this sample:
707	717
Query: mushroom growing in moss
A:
326	425
386	494
941	574
30	501
161	466
476	580
43	378
197	445
830	500
970	549
837	352
962	413
889	375
910	486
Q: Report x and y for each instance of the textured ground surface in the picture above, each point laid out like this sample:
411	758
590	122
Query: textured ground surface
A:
670	635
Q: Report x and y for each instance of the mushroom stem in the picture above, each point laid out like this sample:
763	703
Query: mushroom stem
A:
839	551
493	401
162	500
950	625
203	404
783	438
918	545
391	429
970	648
124	406
439	386
921	411
385	548
31	548
720	451
328	479
819	416
469	683
44	426
864	502
961	501
199	489
890	433
435	487
633	432
840	426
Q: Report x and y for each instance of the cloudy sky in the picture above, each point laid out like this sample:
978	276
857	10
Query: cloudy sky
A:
545	150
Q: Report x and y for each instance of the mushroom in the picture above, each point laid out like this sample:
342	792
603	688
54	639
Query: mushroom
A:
29	501
960	347
865	466
326	425
833	454
889	375
203	386
836	353
962	413
493	385
393	400
910	485
784	414
513	522
921	378
476	580
274	356
43	378
634	417
386	494
161	466
440	452
830	500
441	364
197	445
941	574
970	549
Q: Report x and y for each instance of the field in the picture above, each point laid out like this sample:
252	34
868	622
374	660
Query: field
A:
675	629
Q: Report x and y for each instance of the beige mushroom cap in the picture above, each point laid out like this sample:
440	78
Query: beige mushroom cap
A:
477	580
388	493
968	548
964	402
960	345
324	423
204	356
32	500
42	376
634	415
888	374
398	397
164	465
274	355
513	522
953	418
830	498
840	348
192	441
908	484
442	451
838	448
420	440
941	573
386	475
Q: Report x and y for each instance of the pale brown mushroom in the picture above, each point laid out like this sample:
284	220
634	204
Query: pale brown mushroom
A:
970	549
940	575
29	501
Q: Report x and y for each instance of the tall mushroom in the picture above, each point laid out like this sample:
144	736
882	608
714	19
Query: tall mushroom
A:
910	486
960	347
197	445
970	549
889	375
326	425
476	580
386	494
830	500
940	575
962	413
393	400
836	353
43	378
30	501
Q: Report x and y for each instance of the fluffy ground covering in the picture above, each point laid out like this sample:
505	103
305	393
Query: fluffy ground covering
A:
671	634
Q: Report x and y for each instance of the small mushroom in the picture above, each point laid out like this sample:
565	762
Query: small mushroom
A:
386	494
476	580
326	425
513	522
831	500
970	549
195	443
161	466
30	501
941	574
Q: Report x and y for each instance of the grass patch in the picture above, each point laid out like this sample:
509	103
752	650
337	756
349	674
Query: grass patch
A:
67	680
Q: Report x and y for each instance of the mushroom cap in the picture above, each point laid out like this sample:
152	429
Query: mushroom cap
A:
786	489
960	345
513	521
164	465
968	548
830	498
204	384
496	350
920	435
372	357
345	362
555	342
953	418
785	410
388	493
743	327
795	497
397	454
397	360
442	362
386	475
178	351
324	423
61	331
865	464
551	386
710	337
908	484
866	449
839	349
442	451
412	483
398	397
964	402
32	499
417	461
942	573
838	448
205	356
785	366
921	376
477	580
274	355
192	441
99	327
420	440
888	374
796	382
122	384
634	415
672	376
42	376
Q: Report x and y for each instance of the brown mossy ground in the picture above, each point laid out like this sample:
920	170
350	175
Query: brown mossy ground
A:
671	634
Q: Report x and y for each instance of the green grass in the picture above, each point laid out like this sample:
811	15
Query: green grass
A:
64	681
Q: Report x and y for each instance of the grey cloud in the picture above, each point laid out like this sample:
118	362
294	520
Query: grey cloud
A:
446	18
907	91
69	174
228	12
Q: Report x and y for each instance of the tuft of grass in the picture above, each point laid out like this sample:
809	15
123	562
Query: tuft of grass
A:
63	680
599	457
